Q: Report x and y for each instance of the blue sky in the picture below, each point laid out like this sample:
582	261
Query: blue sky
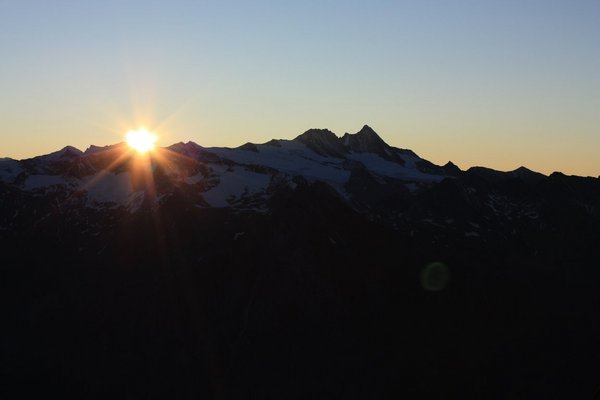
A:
495	83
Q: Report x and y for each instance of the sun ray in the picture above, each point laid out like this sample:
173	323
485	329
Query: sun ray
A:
108	169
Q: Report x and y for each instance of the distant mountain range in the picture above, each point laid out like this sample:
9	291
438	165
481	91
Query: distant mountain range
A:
382	182
318	267
225	177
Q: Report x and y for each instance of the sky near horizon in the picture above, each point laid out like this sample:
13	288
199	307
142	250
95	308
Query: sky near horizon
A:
500	83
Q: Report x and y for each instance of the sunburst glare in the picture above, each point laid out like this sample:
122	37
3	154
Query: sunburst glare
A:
141	140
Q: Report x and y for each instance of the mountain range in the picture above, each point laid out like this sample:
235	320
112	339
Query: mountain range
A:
318	267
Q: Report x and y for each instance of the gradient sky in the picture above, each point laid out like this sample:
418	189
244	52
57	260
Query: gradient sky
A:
497	83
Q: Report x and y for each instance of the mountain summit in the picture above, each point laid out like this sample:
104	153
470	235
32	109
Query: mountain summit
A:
365	141
326	143
323	142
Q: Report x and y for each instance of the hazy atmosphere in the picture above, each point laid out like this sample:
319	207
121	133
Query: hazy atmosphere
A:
494	83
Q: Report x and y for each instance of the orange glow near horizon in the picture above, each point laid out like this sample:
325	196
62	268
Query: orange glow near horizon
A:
141	140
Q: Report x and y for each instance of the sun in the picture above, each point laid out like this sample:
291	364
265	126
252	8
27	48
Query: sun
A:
141	140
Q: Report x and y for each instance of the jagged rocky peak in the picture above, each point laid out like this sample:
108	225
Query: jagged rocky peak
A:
368	141
317	135
365	141
368	132
451	169
70	151
190	149
93	149
323	142
188	145
66	152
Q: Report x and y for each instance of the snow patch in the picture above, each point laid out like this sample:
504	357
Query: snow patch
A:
9	169
233	184
383	167
34	182
109	188
410	160
292	158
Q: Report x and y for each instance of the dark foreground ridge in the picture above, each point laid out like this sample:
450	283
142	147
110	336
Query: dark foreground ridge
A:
319	267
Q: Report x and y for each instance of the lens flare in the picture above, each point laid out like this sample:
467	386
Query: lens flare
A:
435	276
141	140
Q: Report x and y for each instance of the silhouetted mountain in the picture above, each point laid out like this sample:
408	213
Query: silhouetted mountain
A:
521	173
451	169
528	175
319	267
366	141
323	142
